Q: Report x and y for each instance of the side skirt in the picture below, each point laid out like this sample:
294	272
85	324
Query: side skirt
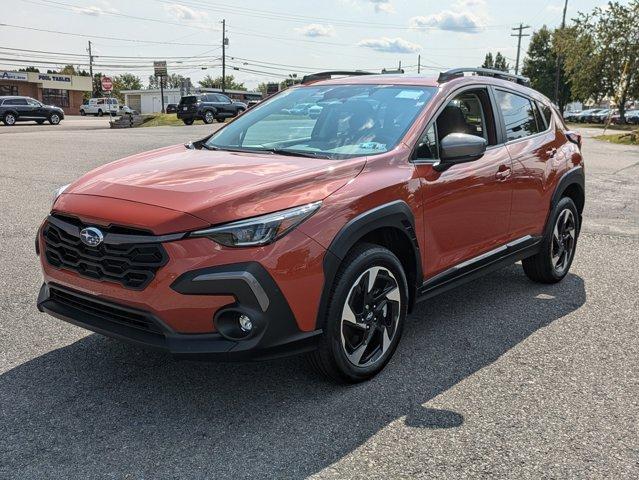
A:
479	266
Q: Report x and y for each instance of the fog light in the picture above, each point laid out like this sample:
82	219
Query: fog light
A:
245	323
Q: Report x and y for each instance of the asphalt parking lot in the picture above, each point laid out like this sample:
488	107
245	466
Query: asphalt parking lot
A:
498	378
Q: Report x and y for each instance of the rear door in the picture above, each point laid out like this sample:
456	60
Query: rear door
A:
534	141
466	207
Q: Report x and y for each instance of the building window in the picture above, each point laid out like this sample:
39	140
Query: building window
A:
8	90
53	96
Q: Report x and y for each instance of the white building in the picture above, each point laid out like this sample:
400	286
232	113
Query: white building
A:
150	101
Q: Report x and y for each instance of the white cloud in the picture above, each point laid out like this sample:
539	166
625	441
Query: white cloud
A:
470	4
184	13
448	20
95	10
316	30
384	6
390	45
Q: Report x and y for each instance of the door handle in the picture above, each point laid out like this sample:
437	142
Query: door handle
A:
552	152
503	172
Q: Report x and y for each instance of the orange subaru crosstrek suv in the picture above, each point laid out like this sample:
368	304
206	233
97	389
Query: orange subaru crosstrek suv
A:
315	230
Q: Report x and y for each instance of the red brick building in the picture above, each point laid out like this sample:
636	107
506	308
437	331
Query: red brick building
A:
64	91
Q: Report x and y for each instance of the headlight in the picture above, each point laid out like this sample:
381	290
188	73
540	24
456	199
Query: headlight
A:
258	231
59	192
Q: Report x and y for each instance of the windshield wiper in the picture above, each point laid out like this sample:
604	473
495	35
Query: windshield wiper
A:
296	153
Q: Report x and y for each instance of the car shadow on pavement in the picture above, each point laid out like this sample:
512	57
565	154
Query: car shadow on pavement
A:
102	409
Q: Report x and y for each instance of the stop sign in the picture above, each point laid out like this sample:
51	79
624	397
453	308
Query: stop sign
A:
107	84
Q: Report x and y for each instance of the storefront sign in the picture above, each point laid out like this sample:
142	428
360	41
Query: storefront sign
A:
20	76
52	77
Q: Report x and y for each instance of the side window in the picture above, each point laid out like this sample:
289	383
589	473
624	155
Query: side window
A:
33	103
519	115
16	101
427	148
469	112
546	111
223	99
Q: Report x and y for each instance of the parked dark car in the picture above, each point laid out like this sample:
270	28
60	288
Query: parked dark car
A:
208	107
171	108
571	116
27	109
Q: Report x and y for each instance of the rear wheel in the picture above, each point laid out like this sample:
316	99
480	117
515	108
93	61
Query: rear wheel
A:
39	122
365	317
220	119
82	113
557	252
9	119
100	113
187	121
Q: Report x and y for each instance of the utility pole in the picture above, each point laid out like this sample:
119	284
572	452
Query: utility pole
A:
419	64
91	69
521	28
224	42
558	61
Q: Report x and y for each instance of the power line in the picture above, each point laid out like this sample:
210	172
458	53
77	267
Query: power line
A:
83	35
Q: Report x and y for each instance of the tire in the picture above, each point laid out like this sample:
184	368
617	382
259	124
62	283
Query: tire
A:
82	113
360	336
39	122
9	119
188	121
220	119
100	113
208	117
557	251
54	119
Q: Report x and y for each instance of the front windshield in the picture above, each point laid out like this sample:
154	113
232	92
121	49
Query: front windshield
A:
337	121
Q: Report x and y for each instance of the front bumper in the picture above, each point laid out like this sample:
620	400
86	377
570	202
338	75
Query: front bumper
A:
275	332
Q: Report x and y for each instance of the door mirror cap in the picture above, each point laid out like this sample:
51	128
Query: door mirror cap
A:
460	148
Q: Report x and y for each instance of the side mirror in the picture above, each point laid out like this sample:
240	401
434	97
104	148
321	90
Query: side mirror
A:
460	148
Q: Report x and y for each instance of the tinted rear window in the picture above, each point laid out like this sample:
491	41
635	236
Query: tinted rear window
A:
188	100
519	115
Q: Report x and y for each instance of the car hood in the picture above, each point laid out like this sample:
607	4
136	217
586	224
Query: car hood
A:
217	186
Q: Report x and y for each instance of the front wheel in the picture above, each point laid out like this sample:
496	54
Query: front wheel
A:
82	113
220	119
557	251
100	113
187	121
209	117
54	119
366	316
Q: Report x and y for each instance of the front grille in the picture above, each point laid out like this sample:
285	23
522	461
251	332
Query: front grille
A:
104	312
132	265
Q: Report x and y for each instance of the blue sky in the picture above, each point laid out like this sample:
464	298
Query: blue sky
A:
269	39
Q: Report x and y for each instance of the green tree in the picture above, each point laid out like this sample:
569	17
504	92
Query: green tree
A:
540	65
601	54
125	81
229	83
29	69
498	62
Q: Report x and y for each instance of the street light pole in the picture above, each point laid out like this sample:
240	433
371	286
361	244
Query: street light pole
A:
91	69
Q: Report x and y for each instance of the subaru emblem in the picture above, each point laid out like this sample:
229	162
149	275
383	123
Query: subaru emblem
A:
91	236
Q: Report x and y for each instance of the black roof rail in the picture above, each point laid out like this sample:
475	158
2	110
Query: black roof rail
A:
484	72
314	77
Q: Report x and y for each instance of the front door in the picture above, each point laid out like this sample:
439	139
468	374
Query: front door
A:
466	207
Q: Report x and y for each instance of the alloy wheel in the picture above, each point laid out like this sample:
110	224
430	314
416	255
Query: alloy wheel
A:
563	241
9	119
55	119
370	316
208	116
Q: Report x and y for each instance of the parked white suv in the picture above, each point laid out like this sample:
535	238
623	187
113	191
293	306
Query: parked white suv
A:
100	106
